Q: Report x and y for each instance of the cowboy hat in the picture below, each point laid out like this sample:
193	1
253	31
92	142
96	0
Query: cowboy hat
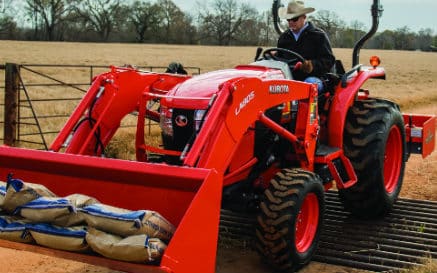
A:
295	9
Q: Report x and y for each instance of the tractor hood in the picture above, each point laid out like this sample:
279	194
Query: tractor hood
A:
205	85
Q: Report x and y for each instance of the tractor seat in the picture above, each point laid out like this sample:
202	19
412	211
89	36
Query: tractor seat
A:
332	78
338	68
277	65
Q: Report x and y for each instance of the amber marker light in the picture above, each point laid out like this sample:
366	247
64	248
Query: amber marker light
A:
375	61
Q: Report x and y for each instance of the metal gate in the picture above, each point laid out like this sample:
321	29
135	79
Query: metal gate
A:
39	98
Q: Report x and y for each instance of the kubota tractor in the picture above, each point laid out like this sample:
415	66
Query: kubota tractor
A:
249	138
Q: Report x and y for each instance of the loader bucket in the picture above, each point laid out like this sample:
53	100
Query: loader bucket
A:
188	197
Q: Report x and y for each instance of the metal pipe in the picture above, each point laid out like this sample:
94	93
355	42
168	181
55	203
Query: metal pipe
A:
376	13
276	20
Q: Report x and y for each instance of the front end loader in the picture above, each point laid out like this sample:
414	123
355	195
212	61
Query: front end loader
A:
249	139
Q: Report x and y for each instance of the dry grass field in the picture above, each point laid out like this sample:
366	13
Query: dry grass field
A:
411	82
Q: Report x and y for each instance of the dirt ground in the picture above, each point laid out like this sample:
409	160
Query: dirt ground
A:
403	69
230	261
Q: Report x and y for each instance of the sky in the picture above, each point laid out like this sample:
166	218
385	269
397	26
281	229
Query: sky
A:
415	15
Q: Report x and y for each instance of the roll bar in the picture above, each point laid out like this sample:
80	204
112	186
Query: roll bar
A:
276	20
376	13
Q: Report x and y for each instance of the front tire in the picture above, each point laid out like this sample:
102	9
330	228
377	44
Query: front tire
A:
374	142
290	219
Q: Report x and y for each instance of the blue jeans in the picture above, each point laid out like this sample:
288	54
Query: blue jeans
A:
317	81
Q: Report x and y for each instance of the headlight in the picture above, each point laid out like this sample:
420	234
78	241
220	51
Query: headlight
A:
198	116
165	121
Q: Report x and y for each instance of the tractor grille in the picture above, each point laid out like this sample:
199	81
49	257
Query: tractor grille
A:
402	239
183	129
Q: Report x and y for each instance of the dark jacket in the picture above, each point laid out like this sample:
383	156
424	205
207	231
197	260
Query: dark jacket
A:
314	45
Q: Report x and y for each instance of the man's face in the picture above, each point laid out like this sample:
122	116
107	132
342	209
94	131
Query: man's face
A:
296	23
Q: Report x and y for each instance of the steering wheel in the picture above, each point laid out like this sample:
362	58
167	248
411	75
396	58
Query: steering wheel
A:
268	54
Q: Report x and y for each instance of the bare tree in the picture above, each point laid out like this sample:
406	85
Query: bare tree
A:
357	28
50	13
143	16
384	40
173	20
187	33
254	32
330	22
225	21
7	27
267	33
101	16
404	39
424	39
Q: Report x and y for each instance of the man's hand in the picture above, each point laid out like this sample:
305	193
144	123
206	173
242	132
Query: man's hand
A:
307	66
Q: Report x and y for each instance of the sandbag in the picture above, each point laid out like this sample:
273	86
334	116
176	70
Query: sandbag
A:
45	209
135	248
74	218
14	229
69	239
125	223
19	193
2	193
81	200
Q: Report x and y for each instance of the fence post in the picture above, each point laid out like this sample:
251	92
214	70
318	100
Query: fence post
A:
12	86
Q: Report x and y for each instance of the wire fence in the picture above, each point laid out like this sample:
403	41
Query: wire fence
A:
46	96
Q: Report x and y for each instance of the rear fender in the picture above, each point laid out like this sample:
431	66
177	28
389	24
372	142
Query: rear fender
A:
344	97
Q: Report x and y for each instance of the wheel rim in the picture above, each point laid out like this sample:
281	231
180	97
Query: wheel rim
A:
392	159
307	222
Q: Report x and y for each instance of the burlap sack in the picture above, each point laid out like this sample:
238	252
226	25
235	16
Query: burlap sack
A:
2	193
136	248
111	219
19	193
14	229
45	209
81	200
125	223
74	218
156	226
69	239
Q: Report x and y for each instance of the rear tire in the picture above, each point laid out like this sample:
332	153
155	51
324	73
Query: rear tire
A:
290	219
374	142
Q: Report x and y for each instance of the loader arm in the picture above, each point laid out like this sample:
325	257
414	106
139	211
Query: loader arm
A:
111	97
242	102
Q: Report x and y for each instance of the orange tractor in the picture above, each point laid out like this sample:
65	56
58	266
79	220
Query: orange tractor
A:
249	138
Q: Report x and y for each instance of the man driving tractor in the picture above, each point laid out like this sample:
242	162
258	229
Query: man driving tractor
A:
310	42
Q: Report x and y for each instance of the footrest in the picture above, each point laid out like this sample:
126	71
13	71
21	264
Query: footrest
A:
338	164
